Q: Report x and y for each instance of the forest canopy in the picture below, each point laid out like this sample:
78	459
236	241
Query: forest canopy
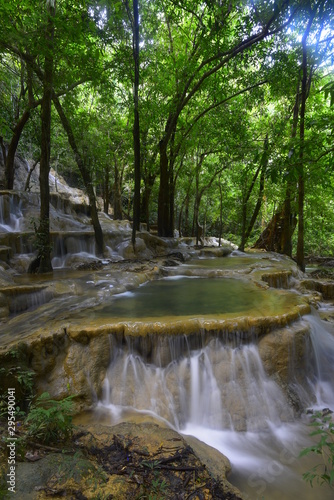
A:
198	117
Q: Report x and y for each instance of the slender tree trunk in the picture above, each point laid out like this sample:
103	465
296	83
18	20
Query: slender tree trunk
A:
243	225
136	126
118	214
43	233
185	205
257	206
9	166
3	150
220	212
26	186
196	207
106	191
86	177
145	208
164	197
171	202
263	167
301	185
186	231
288	217
288	225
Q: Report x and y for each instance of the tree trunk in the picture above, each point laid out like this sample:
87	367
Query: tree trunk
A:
43	233
300	241
277	237
171	202
118	214
164	197
263	166
86	177
301	186
3	150
220	213
136	125
9	167
145	207
106	191
288	223
26	186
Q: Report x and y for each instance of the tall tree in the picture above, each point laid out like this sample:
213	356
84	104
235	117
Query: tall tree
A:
43	233
134	19
212	29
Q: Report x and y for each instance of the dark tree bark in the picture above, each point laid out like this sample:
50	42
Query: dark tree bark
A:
164	223
220	212
43	233
271	238
118	212
27	183
145	207
86	177
106	191
3	150
136	125
289	218
301	184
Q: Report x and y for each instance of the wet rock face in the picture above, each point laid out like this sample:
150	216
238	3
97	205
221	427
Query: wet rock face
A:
283	351
326	288
65	367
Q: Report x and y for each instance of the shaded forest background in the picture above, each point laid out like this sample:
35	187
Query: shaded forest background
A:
202	117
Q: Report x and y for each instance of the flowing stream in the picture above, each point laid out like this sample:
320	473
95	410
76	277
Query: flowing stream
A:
219	391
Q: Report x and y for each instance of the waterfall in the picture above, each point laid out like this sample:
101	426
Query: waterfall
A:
322	355
220	393
10	213
216	386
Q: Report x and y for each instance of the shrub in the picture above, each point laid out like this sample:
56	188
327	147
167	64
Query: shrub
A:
324	471
49	420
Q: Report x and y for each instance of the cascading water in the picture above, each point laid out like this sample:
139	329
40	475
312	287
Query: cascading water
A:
10	214
68	246
221	394
322	382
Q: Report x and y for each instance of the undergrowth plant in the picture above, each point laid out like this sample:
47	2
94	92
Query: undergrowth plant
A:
324	471
16	374
49	420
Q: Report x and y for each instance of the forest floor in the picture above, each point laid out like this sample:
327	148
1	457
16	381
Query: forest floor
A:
128	461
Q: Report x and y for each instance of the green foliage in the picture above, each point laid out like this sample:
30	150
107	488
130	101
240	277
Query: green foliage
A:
221	94
16	375
158	486
324	471
49	420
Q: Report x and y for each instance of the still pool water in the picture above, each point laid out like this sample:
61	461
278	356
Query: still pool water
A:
180	296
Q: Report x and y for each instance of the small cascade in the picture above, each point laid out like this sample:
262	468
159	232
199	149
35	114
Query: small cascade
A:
10	213
279	279
322	359
70	246
28	301
216	386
